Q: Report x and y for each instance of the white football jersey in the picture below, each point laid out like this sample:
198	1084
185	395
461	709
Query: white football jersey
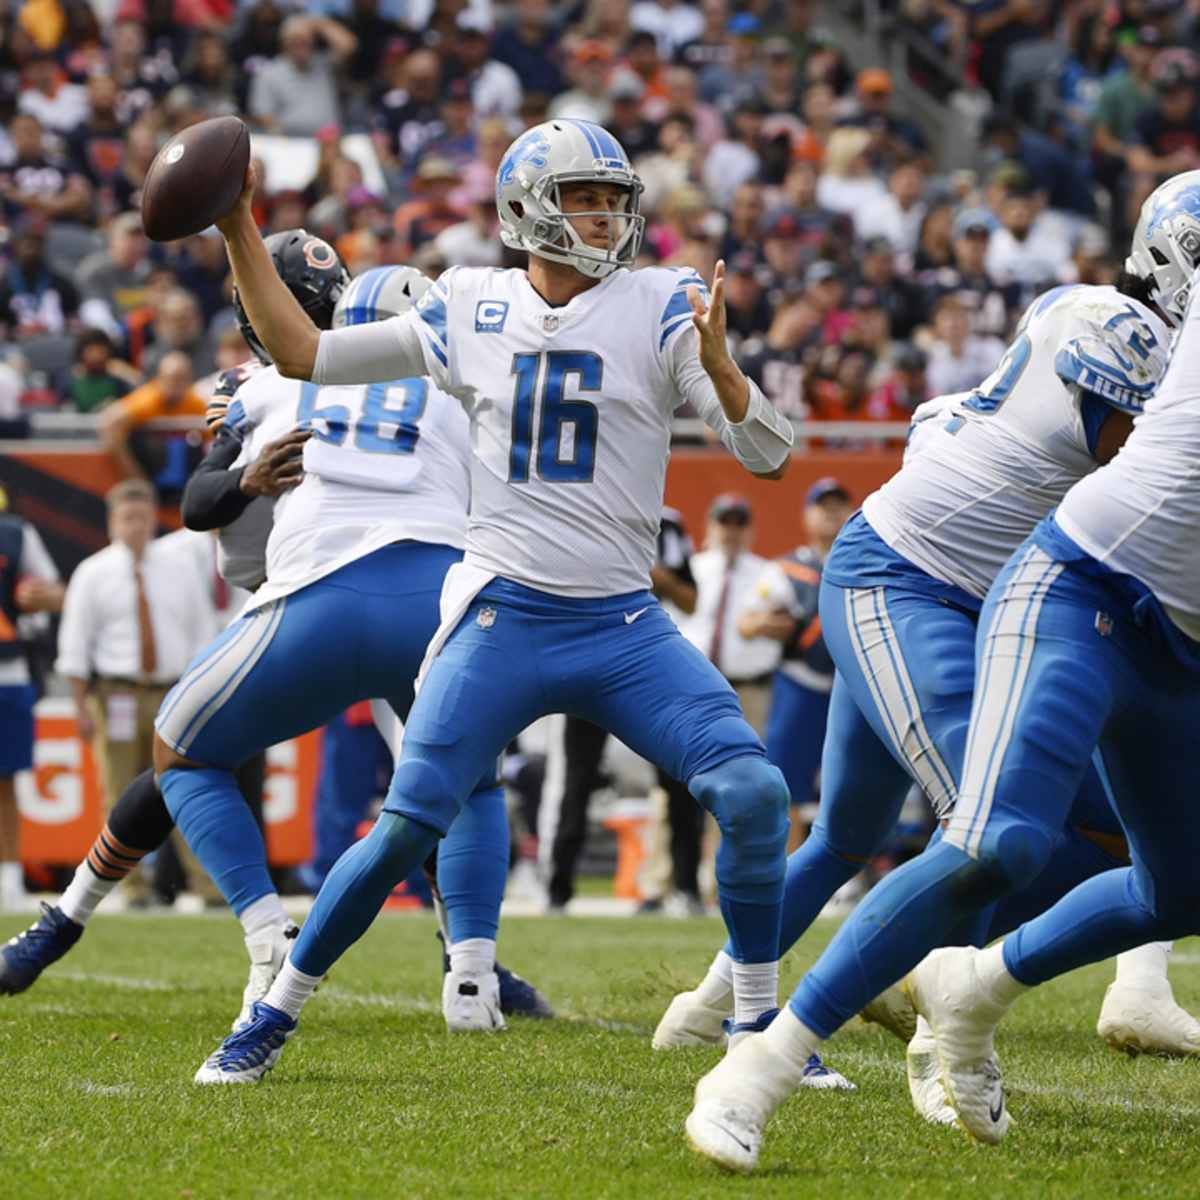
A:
386	463
570	418
1010	450
1140	514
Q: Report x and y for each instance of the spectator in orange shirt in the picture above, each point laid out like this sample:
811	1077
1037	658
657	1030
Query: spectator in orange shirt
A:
420	221
169	394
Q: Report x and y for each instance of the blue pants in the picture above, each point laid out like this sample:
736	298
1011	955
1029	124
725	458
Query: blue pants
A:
1066	659
618	662
795	734
359	633
16	728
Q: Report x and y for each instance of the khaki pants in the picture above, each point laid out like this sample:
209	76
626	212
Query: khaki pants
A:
124	747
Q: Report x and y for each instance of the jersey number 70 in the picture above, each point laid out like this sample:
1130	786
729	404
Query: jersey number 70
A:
561	457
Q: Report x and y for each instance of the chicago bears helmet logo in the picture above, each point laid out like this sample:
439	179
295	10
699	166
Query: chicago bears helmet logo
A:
319	254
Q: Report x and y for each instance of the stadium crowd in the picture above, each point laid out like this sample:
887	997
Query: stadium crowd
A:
864	275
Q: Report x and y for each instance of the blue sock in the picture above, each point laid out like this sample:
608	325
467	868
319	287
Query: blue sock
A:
1103	916
472	866
917	908
356	887
217	823
814	873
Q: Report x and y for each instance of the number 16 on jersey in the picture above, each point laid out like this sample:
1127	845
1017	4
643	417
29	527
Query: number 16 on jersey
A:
565	444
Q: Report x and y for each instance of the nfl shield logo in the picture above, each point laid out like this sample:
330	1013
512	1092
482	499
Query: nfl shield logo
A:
550	322
486	618
1104	624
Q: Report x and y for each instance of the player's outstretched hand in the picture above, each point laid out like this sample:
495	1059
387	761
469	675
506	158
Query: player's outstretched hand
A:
279	467
241	211
710	321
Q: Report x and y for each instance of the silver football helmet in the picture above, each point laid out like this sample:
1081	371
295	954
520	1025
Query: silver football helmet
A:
1166	242
380	293
528	200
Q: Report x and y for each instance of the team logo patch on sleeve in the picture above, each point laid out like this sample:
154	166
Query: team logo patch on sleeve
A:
490	316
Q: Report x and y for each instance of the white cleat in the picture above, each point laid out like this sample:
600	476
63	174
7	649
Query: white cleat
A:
733	1103
690	1022
268	950
945	990
894	1011
471	1003
925	1078
1145	1019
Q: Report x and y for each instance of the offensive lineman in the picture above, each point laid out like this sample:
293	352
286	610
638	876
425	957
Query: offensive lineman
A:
570	372
900	605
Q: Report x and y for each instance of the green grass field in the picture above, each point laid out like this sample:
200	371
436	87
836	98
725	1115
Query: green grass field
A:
374	1099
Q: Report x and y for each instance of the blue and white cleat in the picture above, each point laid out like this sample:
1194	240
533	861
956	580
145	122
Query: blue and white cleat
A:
824	1079
27	955
688	1021
248	1053
737	1033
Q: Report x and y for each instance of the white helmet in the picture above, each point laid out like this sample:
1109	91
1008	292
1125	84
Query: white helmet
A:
380	293
533	169
1166	243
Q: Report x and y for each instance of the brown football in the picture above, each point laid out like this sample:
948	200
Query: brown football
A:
195	178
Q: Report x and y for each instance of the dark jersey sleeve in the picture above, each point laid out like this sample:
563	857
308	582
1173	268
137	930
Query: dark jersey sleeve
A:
213	497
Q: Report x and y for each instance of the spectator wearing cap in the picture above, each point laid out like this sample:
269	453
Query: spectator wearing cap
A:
58	104
959	360
203	270
33	298
903	299
1065	178
529	44
421	220
495	87
892	137
897	216
825	288
781	76
782	608
818	109
991	307
36	180
1123	98
870	327
905	387
778	362
747	310
1166	137
642	59
457	139
737	75
784	251
587	97
736	158
296	92
726	573
673	23
406	116
848	184
626	122
1026	249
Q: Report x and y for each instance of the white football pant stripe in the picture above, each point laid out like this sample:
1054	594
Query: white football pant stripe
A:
881	662
1007	655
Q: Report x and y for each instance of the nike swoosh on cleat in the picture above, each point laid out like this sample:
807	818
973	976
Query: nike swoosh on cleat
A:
996	1111
631	617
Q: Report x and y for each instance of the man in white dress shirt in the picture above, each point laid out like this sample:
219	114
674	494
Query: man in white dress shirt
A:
726	574
134	615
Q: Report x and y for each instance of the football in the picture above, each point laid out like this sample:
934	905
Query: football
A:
195	178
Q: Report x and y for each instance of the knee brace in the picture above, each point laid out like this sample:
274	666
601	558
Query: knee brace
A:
748	796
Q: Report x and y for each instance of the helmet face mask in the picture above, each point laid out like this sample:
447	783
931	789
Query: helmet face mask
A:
1166	243
529	196
312	271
